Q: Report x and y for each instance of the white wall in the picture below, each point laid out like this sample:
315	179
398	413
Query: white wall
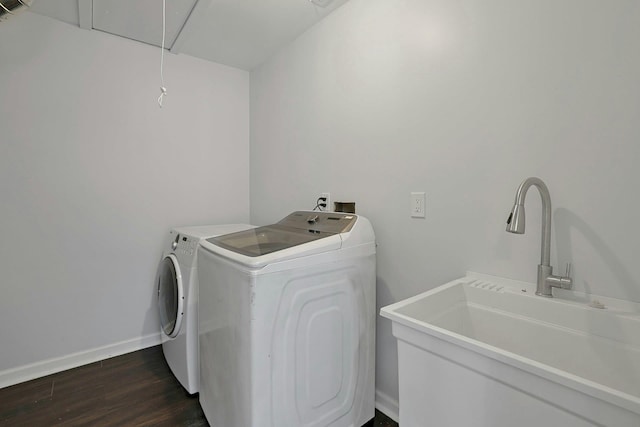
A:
92	176
463	100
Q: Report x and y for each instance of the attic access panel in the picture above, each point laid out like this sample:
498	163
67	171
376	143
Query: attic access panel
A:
141	20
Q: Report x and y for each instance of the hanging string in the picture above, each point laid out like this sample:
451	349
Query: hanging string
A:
163	90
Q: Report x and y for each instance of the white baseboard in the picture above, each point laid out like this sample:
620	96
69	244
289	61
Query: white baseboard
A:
387	405
51	366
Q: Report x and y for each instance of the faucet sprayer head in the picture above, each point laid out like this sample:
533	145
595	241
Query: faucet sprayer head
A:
515	222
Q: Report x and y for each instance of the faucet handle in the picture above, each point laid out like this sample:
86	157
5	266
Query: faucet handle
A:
568	270
566	282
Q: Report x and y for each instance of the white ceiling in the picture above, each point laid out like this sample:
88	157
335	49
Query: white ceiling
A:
238	33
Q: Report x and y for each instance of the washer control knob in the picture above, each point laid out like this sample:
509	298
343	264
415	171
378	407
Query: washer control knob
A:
312	219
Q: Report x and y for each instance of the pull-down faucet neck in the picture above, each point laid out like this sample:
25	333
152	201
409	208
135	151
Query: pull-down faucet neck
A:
516	220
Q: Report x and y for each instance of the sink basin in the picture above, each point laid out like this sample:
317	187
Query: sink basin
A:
563	356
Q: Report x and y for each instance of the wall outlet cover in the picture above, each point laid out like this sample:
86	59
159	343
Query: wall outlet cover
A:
418	204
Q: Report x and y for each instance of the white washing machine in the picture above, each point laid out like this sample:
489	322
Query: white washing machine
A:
287	323
177	287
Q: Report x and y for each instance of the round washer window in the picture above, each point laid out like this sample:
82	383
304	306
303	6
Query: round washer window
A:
170	296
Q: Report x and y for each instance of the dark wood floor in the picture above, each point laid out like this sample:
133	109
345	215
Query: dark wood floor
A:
136	389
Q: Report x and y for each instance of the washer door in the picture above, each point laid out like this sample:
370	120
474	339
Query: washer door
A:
170	295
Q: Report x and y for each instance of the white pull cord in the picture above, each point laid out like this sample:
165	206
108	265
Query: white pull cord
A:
163	90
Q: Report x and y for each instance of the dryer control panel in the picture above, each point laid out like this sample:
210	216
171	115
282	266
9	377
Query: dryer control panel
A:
184	245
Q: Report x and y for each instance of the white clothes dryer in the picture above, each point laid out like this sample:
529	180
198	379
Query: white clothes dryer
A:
287	323
177	293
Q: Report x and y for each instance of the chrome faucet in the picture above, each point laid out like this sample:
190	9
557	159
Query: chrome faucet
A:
515	224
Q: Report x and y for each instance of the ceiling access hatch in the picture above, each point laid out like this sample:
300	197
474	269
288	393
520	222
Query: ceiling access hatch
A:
237	33
123	18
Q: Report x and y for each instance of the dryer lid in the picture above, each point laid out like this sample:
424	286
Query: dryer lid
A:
295	229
